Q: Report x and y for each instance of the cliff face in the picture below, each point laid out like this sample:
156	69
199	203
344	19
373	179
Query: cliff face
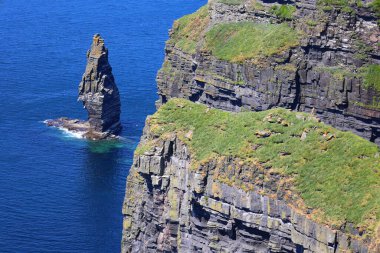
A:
99	92
224	204
205	180
325	72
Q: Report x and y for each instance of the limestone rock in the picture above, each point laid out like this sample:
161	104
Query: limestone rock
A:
100	97
98	91
303	81
171	207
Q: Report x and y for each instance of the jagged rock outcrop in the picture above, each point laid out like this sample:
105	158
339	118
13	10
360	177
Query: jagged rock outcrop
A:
170	206
98	90
100	97
321	74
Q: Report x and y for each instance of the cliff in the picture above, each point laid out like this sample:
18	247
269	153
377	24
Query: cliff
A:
100	97
214	176
205	180
320	56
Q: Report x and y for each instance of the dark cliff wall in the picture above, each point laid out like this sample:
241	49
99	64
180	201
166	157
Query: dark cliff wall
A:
98	90
170	206
322	74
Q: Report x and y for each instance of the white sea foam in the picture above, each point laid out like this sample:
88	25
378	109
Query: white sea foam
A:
72	134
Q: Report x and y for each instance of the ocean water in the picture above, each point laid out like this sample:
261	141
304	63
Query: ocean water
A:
59	193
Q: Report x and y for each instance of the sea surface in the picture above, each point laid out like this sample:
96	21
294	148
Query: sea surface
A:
59	193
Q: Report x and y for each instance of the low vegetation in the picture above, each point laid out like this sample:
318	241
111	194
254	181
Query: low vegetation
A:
231	2
344	5
284	11
337	72
237	42
371	76
375	5
234	42
188	30
335	172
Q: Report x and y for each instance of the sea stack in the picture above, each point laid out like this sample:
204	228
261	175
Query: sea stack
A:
100	97
98	91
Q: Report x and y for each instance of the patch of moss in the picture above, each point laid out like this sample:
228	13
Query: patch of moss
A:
255	5
311	22
344	5
239	81
375	5
336	173
374	105
289	67
284	11
337	72
241	41
188	30
371	76
142	148
231	2
362	50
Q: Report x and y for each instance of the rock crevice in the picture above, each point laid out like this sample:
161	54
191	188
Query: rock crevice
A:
322	74
171	207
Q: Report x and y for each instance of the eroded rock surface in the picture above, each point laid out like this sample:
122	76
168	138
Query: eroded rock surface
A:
98	90
100	97
170	206
321	74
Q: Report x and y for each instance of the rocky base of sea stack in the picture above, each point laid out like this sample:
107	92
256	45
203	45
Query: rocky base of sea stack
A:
84	129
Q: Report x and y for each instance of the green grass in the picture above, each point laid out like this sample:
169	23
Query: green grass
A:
284	11
371	76
337	72
347	6
375	5
234	42
335	172
237	42
231	2
188	30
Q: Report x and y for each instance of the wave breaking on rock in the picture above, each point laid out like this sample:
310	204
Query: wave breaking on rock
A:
100	97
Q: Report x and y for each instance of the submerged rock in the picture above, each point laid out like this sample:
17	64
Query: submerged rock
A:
100	97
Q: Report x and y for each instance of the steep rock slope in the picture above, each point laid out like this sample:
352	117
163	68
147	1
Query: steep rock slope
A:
320	56
98	90
285	183
100	97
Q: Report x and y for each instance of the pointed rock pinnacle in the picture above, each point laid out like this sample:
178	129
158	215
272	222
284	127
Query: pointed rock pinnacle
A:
98	91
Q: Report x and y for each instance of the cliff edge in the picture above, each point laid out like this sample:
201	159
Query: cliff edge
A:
205	180
320	56
257	163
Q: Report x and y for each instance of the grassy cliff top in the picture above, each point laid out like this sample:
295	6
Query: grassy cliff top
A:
335	172
235	42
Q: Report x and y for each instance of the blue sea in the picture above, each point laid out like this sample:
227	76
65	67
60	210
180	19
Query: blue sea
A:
59	193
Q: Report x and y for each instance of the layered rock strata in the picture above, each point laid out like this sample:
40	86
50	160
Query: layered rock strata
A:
171	207
322	74
100	97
